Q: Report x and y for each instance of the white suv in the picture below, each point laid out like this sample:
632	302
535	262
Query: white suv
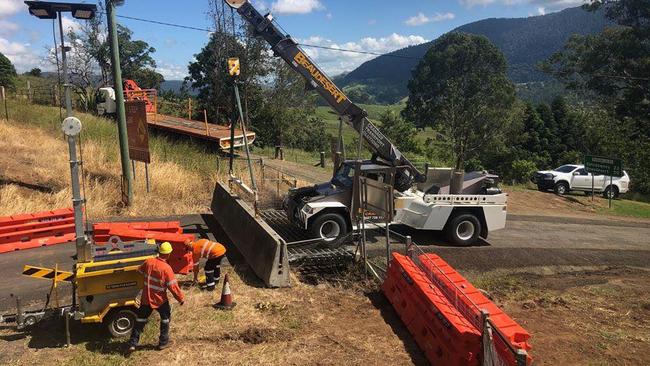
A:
575	178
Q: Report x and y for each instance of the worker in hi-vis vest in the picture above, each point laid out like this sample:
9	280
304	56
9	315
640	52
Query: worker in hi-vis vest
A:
158	278
214	253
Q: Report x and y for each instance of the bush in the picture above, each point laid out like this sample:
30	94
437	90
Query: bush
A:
522	170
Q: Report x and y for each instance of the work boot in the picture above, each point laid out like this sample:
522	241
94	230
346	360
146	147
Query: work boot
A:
166	345
209	280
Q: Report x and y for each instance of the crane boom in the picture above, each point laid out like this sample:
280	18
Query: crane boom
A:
285	47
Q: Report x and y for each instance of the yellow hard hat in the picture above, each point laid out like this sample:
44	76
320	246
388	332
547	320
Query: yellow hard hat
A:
165	248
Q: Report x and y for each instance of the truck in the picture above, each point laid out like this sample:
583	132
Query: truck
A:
574	178
326	210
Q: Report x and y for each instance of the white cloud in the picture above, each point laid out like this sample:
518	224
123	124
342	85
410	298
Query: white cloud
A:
335	62
70	25
328	15
172	71
421	19
541	10
21	55
11	7
417	20
296	6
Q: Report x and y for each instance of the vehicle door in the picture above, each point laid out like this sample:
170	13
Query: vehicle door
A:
580	179
600	182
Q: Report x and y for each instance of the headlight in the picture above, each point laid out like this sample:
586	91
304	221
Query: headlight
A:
308	210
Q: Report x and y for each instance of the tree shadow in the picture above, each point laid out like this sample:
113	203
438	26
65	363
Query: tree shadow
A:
391	318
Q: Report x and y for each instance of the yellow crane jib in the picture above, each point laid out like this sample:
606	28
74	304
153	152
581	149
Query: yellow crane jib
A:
48	273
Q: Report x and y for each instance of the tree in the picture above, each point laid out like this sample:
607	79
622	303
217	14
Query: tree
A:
398	130
7	72
613	69
35	72
137	61
208	75
285	116
461	89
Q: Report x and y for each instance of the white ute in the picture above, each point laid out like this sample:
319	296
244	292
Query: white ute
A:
573	177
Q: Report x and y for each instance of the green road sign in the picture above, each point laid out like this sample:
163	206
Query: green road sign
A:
598	165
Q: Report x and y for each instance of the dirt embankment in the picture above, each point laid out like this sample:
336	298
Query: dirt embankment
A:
594	317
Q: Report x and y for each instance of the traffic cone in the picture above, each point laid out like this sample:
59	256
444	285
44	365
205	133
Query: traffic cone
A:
226	302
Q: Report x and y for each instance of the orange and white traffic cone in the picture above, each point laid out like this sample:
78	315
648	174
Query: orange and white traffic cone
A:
226	302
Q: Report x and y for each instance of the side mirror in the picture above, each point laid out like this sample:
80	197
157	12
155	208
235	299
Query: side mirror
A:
576	173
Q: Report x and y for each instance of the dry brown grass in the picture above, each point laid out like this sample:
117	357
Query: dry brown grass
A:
33	157
302	325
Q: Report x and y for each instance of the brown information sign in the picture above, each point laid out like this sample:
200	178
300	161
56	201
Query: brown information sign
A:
137	129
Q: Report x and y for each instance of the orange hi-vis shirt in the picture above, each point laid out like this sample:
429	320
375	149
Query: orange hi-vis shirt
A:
204	248
158	278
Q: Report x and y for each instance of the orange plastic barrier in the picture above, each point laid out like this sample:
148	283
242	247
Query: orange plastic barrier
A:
33	230
36	217
442	333
181	258
9	229
38	242
470	301
101	229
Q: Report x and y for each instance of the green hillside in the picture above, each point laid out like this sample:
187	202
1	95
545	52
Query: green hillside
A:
524	41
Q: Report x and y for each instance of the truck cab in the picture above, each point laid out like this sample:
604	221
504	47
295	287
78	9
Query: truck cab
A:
324	209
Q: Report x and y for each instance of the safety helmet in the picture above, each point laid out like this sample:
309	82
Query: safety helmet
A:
165	248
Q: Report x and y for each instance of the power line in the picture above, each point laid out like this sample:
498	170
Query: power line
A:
300	44
167	24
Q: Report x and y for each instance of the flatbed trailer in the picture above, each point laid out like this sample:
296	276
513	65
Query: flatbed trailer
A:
197	129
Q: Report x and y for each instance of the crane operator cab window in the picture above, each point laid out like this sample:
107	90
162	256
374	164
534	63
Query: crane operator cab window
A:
344	176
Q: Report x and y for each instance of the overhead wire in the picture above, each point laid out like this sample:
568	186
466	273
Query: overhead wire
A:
331	48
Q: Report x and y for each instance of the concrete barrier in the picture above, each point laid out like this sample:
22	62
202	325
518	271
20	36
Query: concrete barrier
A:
262	248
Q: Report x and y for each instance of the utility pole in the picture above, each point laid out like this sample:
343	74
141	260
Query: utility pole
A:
119	99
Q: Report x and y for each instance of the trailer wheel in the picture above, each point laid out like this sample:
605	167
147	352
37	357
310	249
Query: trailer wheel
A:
121	322
329	227
464	229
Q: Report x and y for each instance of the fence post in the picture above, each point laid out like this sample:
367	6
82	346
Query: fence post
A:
29	91
522	357
4	100
262	172
322	159
205	117
189	108
409	246
486	339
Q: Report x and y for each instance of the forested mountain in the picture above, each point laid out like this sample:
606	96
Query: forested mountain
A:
524	41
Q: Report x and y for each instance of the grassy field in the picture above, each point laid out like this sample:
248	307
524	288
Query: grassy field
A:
180	168
628	208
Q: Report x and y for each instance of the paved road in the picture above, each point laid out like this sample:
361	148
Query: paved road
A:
527	241
530	241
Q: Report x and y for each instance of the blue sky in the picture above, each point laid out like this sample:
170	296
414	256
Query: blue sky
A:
371	25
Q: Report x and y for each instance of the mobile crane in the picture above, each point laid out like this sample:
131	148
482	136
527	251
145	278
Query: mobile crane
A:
325	210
